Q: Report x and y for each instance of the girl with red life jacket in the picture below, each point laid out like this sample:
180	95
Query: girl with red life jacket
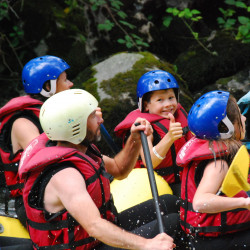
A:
67	192
157	93
41	77
210	220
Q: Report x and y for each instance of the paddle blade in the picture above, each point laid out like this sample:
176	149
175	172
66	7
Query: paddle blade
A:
236	177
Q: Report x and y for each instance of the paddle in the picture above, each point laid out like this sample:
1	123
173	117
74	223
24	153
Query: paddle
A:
236	177
151	179
109	140
244	103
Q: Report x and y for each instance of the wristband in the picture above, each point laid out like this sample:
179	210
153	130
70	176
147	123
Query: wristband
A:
157	155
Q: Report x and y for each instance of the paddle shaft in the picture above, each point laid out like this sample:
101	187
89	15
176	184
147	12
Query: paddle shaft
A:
152	180
109	140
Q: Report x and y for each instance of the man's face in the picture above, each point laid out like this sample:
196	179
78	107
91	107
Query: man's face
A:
93	127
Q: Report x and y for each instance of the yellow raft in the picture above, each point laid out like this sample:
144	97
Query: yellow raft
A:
12	227
13	235
135	189
127	193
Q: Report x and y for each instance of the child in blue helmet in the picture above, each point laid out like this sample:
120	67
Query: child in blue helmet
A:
213	221
41	77
157	93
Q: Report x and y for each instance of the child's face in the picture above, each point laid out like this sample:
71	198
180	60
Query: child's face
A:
162	102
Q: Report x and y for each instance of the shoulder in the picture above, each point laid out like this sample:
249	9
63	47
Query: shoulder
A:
23	123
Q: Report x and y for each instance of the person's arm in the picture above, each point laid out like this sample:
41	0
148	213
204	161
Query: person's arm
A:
22	133
67	189
174	133
206	200
122	164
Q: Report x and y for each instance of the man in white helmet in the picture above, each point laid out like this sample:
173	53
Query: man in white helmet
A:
67	193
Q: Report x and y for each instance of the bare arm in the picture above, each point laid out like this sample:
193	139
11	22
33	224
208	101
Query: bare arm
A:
174	133
121	165
22	133
67	189
206	200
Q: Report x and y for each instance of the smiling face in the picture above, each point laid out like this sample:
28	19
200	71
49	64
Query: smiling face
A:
162	102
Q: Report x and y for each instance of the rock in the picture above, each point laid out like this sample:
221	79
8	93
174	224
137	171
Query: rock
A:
113	81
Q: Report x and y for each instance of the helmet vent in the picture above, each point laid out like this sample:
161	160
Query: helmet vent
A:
169	80
76	129
156	82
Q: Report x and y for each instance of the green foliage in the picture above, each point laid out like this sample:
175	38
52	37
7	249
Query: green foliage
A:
193	15
118	18
16	36
3	10
129	42
239	26
114	17
188	16
107	25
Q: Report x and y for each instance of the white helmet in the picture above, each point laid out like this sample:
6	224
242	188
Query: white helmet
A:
64	115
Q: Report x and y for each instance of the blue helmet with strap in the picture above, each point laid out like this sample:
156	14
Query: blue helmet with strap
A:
206	114
155	80
39	70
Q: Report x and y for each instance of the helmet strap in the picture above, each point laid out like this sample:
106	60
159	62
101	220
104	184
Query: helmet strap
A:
140	104
52	89
230	127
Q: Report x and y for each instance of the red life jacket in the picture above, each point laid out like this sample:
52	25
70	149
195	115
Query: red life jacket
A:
23	106
191	156
167	168
61	231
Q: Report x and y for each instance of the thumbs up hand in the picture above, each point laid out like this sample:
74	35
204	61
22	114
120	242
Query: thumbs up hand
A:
175	129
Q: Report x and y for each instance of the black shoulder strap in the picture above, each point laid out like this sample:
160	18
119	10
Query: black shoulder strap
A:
173	152
5	136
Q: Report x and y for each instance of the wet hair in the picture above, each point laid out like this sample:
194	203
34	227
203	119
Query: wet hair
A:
233	144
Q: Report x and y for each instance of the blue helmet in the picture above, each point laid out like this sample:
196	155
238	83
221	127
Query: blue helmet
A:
39	70
155	80
206	114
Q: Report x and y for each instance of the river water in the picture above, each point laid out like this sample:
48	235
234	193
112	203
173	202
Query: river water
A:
11	205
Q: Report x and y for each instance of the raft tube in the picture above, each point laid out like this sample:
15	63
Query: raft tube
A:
135	189
13	235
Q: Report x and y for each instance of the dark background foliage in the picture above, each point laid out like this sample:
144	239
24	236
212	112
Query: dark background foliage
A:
83	33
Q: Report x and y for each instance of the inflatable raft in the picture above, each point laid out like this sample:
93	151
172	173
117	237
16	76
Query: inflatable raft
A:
127	193
13	235
135	189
